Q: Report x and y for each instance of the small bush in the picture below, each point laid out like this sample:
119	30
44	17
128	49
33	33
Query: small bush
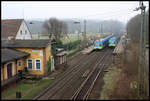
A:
49	65
72	45
69	46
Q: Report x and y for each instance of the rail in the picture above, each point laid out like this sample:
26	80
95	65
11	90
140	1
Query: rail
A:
60	80
84	90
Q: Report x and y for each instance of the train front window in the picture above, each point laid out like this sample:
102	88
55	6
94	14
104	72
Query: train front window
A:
96	43
101	45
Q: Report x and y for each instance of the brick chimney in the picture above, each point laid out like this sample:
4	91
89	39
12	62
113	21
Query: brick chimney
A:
11	39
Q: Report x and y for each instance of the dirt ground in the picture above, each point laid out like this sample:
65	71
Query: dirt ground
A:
126	87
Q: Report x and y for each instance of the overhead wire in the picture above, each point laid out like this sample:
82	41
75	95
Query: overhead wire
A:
104	13
107	15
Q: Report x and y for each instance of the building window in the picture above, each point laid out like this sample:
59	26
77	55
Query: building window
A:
63	59
29	64
19	63
38	64
60	60
21	32
25	32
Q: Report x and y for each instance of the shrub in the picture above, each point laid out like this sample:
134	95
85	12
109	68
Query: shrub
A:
72	45
49	65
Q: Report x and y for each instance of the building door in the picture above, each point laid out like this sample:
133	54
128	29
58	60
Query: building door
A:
9	70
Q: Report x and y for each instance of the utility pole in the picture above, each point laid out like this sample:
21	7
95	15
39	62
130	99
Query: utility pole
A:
99	28
84	29
102	28
142	66
79	28
144	51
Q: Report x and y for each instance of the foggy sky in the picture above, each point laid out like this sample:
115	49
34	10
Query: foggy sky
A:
114	10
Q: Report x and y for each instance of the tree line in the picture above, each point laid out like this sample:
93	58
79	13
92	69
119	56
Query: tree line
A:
56	28
134	27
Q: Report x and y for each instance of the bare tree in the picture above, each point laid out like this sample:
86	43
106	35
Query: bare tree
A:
55	28
134	27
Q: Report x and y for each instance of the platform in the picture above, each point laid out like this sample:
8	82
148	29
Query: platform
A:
119	48
87	50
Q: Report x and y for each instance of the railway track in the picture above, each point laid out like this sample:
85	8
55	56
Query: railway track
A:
69	89
44	94
98	85
65	83
84	90
56	89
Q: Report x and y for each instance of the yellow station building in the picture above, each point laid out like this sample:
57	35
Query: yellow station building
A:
20	54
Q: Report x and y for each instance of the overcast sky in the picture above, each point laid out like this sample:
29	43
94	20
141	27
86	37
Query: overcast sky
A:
103	10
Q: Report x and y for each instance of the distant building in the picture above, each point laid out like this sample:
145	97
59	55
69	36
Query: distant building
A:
37	30
39	50
32	56
61	57
16	28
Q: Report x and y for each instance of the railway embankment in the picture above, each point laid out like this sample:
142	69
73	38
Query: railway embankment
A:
120	82
110	80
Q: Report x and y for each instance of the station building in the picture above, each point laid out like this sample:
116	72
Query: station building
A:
32	55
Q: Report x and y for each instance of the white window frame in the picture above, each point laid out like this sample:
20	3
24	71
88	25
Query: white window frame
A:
60	59
20	32
18	62
12	69
32	64
25	32
63	58
35	64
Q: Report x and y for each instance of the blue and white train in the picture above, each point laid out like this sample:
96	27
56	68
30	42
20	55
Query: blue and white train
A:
102	43
114	40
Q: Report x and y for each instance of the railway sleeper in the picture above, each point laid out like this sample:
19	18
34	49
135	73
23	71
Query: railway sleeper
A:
85	74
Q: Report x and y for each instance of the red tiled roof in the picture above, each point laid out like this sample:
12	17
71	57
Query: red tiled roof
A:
10	27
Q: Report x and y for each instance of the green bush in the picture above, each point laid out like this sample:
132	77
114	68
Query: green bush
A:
59	44
69	46
49	65
53	51
72	45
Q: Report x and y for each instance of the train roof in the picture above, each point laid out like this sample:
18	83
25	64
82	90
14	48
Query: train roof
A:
106	38
115	37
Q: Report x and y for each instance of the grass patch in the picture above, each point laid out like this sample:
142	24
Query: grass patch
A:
37	88
73	53
65	39
27	90
110	80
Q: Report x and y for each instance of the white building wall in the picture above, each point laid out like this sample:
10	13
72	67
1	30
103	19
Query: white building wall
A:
25	32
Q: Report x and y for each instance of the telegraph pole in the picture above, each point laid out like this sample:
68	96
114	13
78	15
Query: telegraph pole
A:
76	22
84	29
101	28
142	51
